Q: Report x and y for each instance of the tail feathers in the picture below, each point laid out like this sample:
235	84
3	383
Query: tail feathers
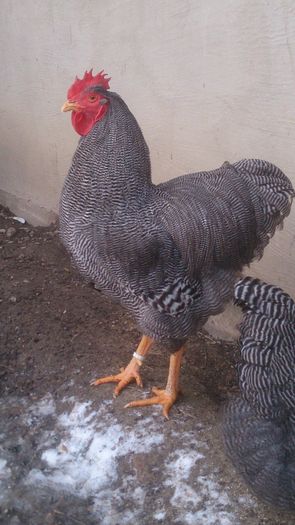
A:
251	294
263	451
259	428
271	193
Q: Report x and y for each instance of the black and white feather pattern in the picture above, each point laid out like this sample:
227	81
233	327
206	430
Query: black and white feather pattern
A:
259	428
176	297
168	253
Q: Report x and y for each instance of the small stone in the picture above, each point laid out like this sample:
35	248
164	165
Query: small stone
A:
62	448
20	219
10	232
12	299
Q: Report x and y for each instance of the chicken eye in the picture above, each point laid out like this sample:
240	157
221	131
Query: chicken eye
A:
92	98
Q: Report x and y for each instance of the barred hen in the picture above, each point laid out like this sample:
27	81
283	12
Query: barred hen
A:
259	428
169	253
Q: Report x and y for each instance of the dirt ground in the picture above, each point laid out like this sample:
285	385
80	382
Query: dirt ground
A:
57	334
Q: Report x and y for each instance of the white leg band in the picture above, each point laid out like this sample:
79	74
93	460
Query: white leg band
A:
140	358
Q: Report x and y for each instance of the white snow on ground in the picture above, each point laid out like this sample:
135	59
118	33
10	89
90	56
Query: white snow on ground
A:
5	474
208	495
86	462
44	407
3	468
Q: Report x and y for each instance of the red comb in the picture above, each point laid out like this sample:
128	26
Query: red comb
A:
87	81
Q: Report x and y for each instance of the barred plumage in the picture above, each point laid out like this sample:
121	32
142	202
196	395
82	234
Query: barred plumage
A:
168	253
259	428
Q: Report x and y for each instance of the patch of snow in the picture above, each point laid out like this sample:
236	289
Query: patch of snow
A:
5	474
200	493
91	455
92	444
247	501
45	407
37	411
180	464
4	470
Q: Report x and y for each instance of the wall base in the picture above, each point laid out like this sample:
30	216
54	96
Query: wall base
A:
225	326
30	211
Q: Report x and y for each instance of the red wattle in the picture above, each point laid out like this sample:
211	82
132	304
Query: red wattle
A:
83	121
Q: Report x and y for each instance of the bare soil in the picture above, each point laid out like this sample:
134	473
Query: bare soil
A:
55	327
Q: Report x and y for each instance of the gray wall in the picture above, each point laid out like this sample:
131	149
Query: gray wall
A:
208	80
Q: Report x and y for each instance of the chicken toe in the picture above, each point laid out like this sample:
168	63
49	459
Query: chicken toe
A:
161	397
165	397
131	372
126	376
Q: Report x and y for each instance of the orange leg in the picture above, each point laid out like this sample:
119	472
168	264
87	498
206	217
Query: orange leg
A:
131	372
167	396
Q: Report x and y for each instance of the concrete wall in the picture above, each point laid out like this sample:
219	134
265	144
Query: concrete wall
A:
208	80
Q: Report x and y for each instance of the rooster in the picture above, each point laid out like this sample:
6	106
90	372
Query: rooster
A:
169	253
259	428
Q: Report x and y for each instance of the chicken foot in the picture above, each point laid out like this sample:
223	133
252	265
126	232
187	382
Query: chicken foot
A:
165	397
131	372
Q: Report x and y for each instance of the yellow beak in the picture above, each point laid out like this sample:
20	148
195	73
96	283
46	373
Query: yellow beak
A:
70	106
